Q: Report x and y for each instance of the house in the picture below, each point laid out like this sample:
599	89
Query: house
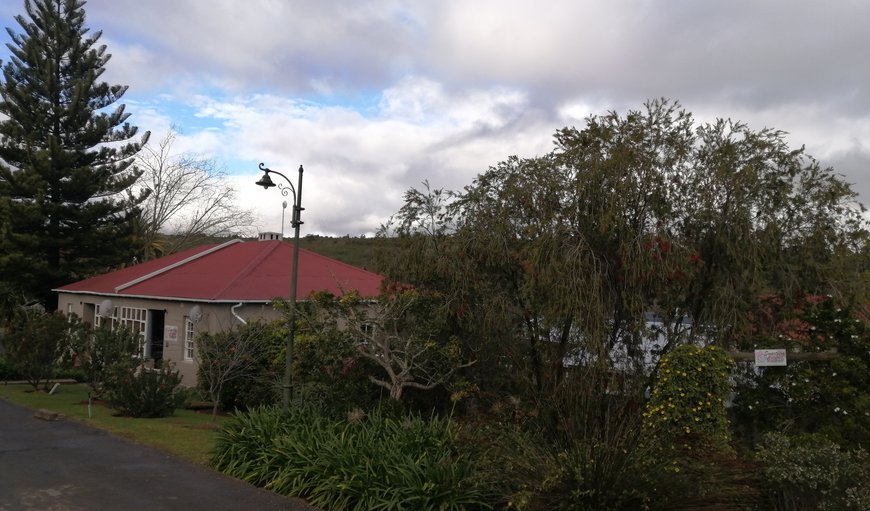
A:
206	289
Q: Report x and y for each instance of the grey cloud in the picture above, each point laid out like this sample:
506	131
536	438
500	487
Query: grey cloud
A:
754	60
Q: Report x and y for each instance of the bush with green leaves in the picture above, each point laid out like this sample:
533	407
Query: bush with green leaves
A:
144	392
8	371
37	344
241	367
330	374
828	397
812	473
525	470
363	462
688	397
103	351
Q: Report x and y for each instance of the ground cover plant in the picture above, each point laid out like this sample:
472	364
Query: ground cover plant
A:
366	461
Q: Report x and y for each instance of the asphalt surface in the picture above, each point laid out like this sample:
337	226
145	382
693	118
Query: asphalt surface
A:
67	466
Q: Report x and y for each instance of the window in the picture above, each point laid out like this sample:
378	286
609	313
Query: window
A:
368	329
188	339
129	317
134	319
98	319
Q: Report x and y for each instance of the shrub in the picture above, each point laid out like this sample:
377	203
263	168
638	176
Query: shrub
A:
364	462
37	343
145	392
7	370
330	373
249	378
813	473
103	351
826	397
580	448
688	395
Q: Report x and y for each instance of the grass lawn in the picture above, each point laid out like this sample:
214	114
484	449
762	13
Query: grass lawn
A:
187	434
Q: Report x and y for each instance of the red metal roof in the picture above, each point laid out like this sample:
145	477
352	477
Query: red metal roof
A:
236	271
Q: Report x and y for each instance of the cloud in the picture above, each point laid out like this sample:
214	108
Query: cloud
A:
376	96
358	167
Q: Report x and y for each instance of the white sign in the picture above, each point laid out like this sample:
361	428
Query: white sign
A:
770	357
170	333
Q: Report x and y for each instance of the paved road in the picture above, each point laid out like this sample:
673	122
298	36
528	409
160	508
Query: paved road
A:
68	466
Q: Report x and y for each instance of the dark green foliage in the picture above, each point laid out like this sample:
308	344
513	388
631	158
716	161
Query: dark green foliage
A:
366	462
330	374
65	154
36	343
397	334
563	255
238	368
102	352
828	397
7	369
144	392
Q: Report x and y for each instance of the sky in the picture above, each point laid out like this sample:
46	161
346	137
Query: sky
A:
374	97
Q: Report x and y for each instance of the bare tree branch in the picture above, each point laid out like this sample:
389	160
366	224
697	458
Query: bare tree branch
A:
189	199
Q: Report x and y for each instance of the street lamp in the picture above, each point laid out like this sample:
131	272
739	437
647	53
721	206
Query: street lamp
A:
296	193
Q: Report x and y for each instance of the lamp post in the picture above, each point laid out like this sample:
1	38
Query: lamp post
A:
296	193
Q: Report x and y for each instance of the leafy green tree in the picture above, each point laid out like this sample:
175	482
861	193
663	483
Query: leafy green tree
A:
397	334
37	343
566	258
102	351
65	153
328	372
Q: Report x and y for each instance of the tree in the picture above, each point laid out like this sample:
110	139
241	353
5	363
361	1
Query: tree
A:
188	199
37	342
398	334
637	234
104	350
65	155
229	355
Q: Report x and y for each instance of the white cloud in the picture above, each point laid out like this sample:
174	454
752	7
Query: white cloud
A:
358	167
375	96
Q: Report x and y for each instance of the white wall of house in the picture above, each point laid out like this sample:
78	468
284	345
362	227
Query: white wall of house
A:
178	332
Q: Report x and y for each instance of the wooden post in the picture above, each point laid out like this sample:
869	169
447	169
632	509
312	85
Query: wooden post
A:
812	356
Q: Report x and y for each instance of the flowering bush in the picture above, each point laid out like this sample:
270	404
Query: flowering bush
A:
145	392
688	396
812	396
811	472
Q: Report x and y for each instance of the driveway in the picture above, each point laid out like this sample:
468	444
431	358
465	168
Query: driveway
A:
66	466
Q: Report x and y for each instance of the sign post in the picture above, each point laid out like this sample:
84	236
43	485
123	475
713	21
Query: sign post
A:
775	357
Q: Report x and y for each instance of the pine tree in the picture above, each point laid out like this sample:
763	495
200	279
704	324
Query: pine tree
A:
66	154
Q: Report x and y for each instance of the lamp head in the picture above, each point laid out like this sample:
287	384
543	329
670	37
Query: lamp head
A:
265	181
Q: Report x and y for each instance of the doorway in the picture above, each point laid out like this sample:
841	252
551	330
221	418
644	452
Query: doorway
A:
156	324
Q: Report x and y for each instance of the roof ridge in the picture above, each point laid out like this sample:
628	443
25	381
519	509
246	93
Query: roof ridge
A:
244	272
176	264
